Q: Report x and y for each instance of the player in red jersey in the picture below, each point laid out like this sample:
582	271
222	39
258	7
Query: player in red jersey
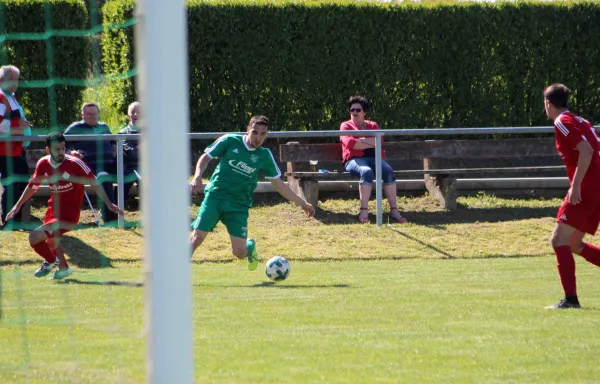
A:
66	176
577	143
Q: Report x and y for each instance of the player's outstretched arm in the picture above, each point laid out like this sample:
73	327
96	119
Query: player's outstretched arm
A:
286	192
196	183
102	195
29	191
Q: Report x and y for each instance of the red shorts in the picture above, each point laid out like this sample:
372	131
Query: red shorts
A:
69	218
584	216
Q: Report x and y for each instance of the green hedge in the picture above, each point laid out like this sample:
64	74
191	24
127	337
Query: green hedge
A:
453	65
40	60
118	54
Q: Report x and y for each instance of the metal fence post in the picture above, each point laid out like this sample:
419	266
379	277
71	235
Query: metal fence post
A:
120	181
378	179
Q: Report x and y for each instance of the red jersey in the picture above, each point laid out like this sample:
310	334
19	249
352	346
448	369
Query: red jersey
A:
569	130
66	196
9	110
348	142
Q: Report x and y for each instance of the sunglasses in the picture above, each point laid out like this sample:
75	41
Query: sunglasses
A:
355	110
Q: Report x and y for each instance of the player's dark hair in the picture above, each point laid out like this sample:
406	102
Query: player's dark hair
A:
364	103
558	95
259	119
55	137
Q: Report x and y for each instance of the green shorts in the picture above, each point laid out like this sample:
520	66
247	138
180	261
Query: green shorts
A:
233	215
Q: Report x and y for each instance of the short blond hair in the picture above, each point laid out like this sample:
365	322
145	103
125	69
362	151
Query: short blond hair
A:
8	69
132	105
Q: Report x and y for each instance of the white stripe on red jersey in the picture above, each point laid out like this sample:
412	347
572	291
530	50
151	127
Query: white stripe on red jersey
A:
561	127
80	162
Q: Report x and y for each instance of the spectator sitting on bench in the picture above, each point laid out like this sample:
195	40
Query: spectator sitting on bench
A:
99	155
358	157
130	150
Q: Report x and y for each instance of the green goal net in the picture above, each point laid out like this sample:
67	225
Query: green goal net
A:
86	327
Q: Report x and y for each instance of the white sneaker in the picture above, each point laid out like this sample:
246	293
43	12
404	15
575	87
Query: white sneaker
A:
62	274
45	269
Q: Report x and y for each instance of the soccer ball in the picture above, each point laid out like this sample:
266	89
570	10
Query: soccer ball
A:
277	268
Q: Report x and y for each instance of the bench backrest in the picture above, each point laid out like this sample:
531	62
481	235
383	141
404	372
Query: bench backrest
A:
33	156
436	149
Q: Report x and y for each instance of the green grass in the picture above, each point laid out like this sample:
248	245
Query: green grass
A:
451	297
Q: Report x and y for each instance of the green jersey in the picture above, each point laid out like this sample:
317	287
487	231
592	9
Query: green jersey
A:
236	176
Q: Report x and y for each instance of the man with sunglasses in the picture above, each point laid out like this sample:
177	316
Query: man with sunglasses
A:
358	157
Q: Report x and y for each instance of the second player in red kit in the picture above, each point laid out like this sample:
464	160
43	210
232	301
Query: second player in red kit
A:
67	176
577	143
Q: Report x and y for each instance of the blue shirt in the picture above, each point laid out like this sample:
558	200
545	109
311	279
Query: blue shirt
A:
94	151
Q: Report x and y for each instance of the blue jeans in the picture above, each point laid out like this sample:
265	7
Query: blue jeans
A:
364	167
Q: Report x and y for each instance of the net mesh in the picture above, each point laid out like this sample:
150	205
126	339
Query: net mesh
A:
85	328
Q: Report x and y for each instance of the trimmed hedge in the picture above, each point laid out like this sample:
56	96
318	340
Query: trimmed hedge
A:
118	54
39	60
451	65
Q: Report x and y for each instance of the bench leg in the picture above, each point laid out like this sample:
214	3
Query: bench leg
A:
26	211
307	189
443	189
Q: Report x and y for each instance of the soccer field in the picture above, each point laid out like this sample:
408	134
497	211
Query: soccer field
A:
452	320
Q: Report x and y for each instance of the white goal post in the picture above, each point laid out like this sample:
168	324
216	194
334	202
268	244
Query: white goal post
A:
161	60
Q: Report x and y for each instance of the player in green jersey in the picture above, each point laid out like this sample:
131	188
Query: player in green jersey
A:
228	195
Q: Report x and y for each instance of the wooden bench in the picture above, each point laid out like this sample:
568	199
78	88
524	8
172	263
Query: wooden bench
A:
439	180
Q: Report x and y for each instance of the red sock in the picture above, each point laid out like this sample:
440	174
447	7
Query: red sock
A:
43	249
566	269
591	253
62	262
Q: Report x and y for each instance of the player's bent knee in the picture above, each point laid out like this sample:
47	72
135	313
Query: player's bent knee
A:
367	174
558	241
560	237
240	252
554	240
576	246
36	237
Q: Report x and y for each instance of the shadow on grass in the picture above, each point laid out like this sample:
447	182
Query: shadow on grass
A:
273	284
461	215
436	249
79	254
83	255
327	217
6	263
95	282
447	256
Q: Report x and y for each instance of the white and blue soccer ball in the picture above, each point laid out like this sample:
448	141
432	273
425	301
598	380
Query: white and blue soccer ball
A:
277	268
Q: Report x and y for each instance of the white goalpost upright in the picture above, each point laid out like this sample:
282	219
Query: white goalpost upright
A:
161	60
